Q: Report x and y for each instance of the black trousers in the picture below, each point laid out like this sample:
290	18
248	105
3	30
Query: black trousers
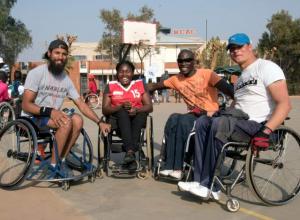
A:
130	127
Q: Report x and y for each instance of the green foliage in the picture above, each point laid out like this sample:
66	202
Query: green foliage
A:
112	20
14	37
281	43
213	55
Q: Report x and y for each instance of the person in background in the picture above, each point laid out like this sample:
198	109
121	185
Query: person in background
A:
165	92
4	96
92	84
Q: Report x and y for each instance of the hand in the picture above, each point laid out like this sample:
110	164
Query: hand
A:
126	105
104	128
261	140
59	118
132	112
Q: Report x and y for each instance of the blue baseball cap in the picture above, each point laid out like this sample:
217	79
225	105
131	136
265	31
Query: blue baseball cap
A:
238	39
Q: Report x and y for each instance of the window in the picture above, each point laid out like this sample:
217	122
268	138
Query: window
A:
80	57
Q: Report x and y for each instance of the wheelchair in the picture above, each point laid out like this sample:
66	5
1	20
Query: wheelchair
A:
187	161
21	157
7	114
273	175
110	149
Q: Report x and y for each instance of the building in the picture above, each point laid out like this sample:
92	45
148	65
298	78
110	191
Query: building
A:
161	57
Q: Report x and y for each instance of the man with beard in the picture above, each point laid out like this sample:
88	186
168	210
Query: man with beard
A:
198	87
46	87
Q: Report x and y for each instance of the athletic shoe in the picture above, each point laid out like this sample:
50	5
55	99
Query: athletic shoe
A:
200	191
165	172
187	186
215	195
177	174
203	191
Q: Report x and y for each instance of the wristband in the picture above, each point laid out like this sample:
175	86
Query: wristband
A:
266	130
45	111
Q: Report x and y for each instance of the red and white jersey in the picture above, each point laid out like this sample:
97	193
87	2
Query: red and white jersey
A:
133	93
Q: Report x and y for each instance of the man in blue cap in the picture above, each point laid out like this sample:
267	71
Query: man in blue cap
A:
261	94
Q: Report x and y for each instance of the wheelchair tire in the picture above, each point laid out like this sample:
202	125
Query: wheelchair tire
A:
80	157
18	147
274	175
92	100
7	114
149	141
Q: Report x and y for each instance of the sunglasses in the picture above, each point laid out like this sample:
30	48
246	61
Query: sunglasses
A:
235	47
187	60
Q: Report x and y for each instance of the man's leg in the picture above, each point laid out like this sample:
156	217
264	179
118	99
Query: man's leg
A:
170	137
184	126
210	156
61	135
202	128
77	124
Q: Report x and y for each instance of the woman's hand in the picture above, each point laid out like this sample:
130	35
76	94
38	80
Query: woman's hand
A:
132	111
126	105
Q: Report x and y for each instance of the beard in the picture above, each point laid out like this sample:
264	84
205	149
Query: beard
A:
56	68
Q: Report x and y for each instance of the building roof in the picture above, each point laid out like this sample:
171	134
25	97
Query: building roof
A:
178	39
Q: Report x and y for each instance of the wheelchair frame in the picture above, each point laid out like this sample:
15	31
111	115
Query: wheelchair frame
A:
23	152
145	159
253	171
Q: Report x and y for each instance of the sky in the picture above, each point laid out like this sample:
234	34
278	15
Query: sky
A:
47	18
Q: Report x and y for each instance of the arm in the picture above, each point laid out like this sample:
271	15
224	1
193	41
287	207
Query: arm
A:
156	86
59	118
89	113
279	93
147	104
225	87
107	109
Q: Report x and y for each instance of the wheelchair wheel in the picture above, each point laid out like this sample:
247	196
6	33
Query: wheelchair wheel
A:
274	175
149	141
80	157
7	114
92	100
18	144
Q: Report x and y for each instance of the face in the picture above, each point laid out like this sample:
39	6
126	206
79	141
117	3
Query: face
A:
185	63
57	60
241	54
125	75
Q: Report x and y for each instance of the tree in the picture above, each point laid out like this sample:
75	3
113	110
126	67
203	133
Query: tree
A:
281	43
111	38
213	55
14	37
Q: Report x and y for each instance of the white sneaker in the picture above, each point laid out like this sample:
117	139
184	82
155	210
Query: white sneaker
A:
216	195
177	174
165	172
186	186
200	191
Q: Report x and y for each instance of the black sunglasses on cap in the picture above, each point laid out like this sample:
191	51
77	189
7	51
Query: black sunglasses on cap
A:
187	60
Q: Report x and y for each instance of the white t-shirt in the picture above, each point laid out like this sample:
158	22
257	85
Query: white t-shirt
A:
250	91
